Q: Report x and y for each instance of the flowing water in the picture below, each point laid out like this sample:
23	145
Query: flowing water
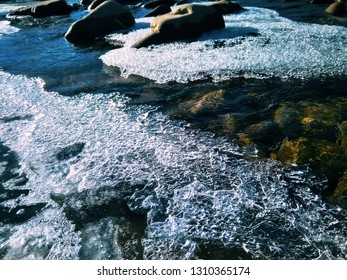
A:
108	152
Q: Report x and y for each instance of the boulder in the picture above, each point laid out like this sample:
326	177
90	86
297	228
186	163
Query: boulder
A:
108	17
95	3
88	2
186	22
336	9
46	9
155	3
226	7
160	10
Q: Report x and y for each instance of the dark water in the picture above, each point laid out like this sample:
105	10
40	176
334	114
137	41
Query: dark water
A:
95	165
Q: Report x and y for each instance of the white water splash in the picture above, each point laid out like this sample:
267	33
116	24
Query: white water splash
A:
6	28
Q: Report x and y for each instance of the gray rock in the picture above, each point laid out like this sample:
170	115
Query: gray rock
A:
186	22
160	10
108	17
226	7
46	9
155	3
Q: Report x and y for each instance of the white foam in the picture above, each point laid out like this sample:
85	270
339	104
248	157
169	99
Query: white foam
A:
282	48
6	28
6	8
197	187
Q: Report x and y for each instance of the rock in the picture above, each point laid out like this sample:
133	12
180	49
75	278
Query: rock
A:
160	10
314	120
69	151
322	1
88	2
95	4
209	101
46	9
340	193
342	134
186	22
336	9
222	124
226	7
155	3
108	17
202	103
325	157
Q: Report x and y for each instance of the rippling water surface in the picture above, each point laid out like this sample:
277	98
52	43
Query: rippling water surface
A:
104	155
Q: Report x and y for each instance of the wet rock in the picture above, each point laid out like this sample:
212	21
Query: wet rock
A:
88	2
336	9
160	10
340	193
69	151
223	124
226	7
155	3
209	101
243	139
317	120
108	17
183	23
342	134
265	134
46	9
202	103
95	3
325	157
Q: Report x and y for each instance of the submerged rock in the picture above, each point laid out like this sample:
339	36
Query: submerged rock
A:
46	9
202	103
340	193
183	23
209	101
109	16
316	134
325	156
317	120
